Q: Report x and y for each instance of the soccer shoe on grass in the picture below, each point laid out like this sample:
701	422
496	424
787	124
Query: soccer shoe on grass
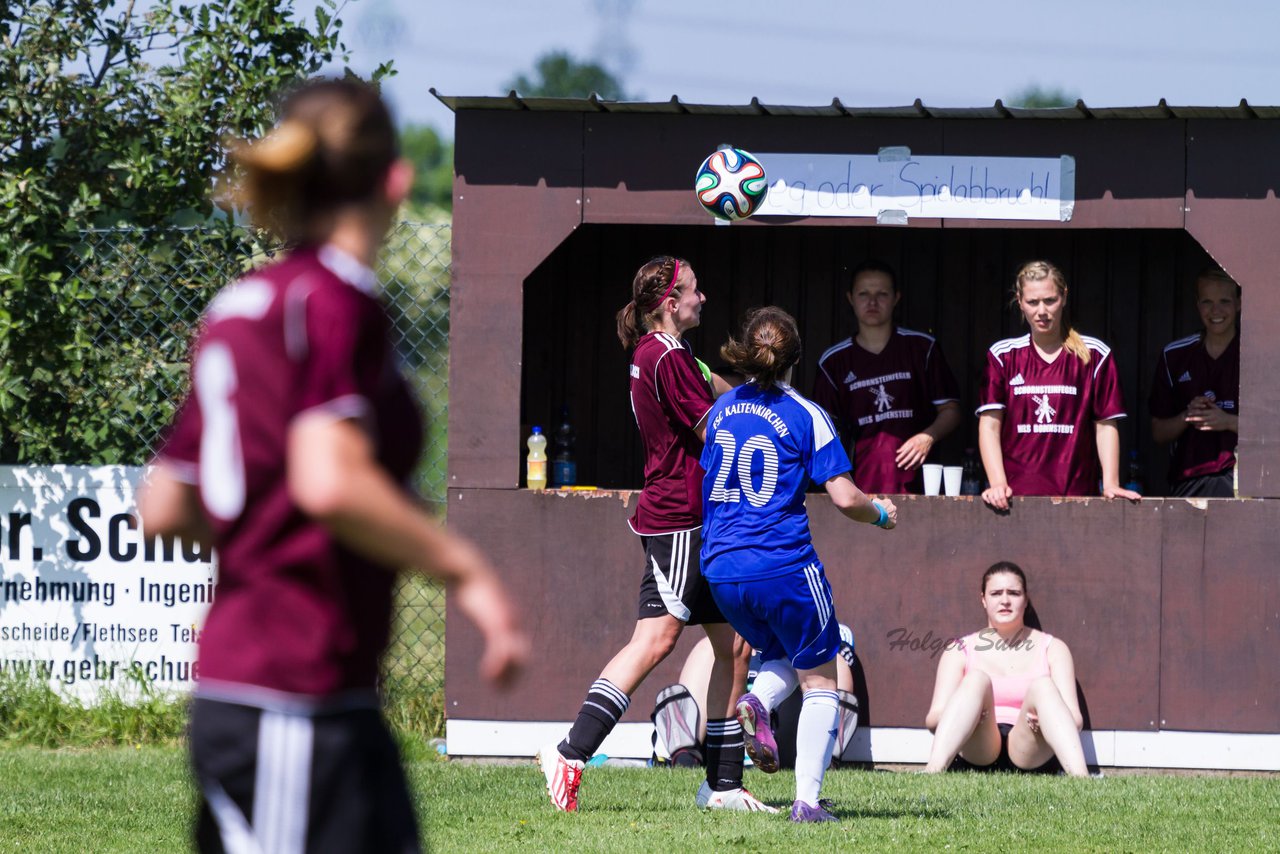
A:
739	800
803	813
563	777
761	746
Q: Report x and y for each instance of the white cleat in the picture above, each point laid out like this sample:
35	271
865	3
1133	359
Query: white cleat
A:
739	800
563	777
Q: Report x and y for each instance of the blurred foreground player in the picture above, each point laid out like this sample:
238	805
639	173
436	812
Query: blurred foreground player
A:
292	456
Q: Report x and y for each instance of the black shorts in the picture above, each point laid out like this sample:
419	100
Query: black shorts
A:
1003	762
296	782
1220	485
673	582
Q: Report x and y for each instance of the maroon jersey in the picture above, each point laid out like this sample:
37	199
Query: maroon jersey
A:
296	613
669	396
1050	409
1186	370
879	400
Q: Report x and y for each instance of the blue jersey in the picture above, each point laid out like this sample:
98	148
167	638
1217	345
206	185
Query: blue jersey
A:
762	450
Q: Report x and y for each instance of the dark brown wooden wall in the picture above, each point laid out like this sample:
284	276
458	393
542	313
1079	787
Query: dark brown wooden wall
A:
1133	288
1168	608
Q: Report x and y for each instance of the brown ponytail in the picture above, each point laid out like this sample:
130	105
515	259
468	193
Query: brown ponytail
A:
332	147
1035	271
770	345
653	282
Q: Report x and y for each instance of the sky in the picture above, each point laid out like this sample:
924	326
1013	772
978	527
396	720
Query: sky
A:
947	53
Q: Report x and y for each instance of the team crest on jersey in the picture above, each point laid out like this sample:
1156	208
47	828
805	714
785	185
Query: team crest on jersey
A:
1018	380
635	372
884	400
1045	413
1044	410
1185	378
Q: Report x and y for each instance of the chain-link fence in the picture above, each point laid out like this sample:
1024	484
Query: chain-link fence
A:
140	294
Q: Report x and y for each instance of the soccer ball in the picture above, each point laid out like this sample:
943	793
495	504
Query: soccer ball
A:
730	184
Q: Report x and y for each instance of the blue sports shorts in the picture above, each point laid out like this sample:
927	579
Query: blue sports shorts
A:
789	616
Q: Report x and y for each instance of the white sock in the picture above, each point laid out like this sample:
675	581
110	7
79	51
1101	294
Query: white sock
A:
774	683
815	736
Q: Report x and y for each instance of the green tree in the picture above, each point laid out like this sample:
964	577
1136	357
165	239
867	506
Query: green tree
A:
558	75
432	159
114	116
1036	96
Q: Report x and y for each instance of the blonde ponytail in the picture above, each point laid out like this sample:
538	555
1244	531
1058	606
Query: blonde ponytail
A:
1074	344
333	146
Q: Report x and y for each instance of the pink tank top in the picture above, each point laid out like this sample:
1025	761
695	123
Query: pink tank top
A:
1009	691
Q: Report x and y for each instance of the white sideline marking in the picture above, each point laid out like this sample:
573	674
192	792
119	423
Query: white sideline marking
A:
1113	748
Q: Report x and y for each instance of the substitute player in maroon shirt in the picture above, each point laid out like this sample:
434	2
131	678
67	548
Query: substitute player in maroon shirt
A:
1195	396
292	457
889	389
1049	403
670	398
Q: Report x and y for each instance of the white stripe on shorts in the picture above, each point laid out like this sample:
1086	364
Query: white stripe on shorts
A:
821	596
680	562
282	784
671	584
236	834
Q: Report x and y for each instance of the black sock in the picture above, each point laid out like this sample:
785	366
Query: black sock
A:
599	714
724	754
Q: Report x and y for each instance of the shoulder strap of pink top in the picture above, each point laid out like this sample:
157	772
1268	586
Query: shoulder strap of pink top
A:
1044	655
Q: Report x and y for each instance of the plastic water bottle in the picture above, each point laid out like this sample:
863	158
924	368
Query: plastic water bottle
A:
536	470
971	479
564	471
1134	481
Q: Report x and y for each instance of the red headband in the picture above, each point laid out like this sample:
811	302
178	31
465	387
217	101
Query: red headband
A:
675	275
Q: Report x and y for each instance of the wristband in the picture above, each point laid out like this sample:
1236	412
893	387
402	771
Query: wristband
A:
884	516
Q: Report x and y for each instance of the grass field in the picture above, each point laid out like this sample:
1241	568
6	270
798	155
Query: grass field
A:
139	799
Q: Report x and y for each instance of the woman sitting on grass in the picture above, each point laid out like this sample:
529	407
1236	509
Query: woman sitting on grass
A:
1005	697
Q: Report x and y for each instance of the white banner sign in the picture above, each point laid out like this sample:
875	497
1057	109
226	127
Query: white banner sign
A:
86	602
895	186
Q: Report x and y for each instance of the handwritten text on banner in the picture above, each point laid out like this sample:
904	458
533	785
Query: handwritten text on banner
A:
849	185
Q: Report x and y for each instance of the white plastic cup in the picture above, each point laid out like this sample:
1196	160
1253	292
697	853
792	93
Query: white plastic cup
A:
951	477
933	479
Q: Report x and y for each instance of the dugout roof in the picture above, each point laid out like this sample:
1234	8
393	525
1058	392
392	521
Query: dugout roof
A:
916	110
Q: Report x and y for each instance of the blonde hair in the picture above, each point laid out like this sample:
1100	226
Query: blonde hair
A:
1038	271
770	344
332	147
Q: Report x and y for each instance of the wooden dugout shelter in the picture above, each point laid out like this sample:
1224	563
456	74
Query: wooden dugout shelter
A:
1171	607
